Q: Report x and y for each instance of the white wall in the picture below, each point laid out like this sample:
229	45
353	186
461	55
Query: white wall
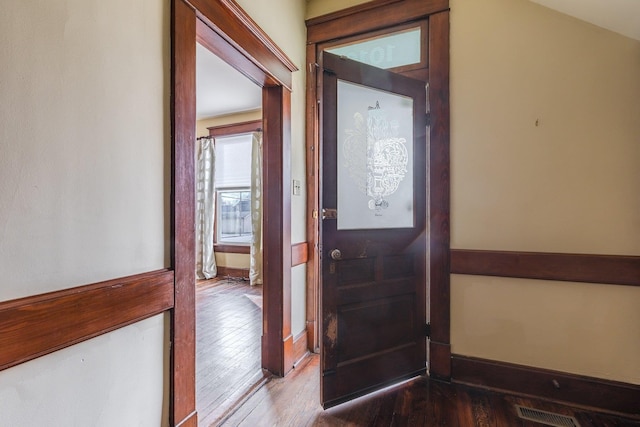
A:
84	185
116	379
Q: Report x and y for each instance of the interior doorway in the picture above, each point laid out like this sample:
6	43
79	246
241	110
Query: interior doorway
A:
227	31
228	302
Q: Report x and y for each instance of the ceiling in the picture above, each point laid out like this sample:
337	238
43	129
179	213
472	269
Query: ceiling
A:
222	90
620	16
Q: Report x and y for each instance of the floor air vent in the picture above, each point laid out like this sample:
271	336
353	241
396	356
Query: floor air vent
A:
544	417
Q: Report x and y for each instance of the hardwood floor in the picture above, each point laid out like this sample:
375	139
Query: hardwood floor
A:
228	373
228	336
293	401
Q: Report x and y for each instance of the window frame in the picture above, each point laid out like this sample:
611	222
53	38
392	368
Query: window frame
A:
233	129
418	70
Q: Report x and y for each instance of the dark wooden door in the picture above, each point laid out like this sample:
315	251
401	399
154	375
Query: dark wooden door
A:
373	233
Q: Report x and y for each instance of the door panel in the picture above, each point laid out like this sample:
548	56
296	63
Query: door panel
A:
373	293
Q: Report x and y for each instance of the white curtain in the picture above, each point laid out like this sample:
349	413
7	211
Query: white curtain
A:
255	266
205	209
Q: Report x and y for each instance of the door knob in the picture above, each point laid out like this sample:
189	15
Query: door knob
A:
336	254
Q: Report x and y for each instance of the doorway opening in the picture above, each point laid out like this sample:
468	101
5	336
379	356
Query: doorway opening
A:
227	31
228	215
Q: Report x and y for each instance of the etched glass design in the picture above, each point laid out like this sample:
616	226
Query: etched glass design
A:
375	158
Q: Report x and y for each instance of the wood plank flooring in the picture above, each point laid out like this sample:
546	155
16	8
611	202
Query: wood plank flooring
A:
294	401
229	327
228	353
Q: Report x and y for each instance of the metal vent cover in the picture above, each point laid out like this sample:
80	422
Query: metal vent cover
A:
544	417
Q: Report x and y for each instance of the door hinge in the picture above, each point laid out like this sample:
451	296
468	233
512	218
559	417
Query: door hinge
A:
427	330
314	214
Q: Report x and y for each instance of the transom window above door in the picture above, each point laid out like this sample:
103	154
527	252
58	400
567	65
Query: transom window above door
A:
399	48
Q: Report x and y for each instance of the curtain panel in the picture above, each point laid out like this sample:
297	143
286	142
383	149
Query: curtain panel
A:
255	266
205	209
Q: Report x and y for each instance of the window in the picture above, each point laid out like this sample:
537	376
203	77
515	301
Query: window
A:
401	49
234	216
233	193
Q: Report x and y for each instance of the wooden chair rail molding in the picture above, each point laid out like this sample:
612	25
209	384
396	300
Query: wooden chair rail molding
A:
605	269
299	254
37	325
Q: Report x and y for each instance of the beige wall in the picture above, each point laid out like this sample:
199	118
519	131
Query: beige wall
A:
581	328
566	184
232	260
322	7
84	175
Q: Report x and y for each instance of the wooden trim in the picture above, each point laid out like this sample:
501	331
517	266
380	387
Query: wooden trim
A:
219	45
276	231
609	395
190	421
232	249
353	10
228	32
299	254
235	128
300	350
313	184
439	360
183	111
418	70
605	269
264	41
37	325
232	272
383	15
439	188
237	28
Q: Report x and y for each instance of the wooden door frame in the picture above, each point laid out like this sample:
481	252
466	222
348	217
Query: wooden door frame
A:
225	29
367	18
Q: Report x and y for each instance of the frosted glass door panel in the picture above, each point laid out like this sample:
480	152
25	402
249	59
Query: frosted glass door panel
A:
375	159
